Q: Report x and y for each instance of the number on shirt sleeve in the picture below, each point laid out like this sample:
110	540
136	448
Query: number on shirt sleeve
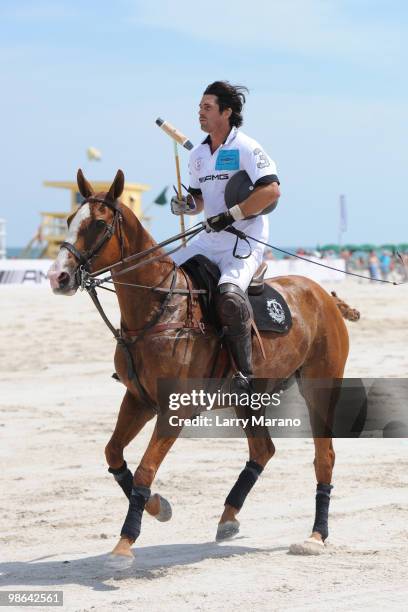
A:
258	164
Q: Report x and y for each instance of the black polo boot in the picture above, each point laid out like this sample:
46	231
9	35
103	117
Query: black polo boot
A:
235	314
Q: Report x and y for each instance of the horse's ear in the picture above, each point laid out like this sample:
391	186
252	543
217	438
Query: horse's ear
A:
84	187
117	187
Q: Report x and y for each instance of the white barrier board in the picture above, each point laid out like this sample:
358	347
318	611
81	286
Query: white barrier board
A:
34	271
284	267
31	272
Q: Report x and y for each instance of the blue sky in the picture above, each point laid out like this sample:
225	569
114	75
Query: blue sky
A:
328	102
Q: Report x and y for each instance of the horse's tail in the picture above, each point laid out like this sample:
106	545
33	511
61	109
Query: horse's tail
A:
351	314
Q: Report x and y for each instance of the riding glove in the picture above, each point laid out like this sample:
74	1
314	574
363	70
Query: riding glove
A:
219	222
185	206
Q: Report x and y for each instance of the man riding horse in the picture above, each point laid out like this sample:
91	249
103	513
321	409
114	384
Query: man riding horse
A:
225	152
160	339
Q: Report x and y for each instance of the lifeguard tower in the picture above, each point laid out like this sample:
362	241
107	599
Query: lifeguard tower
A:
53	227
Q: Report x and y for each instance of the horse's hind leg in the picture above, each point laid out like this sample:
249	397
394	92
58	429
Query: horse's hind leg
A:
156	451
321	401
261	449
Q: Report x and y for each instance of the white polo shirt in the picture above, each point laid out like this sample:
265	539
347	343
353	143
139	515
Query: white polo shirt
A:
210	172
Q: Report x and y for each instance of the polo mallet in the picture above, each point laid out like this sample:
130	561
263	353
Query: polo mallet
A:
177	137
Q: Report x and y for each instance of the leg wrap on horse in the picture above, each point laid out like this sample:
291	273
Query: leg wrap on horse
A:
123	477
244	484
235	314
133	522
322	510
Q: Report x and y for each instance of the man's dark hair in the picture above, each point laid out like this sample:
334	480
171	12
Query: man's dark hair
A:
229	96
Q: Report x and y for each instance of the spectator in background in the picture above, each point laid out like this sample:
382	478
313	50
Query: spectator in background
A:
385	263
346	255
269	256
360	266
403	266
373	265
361	263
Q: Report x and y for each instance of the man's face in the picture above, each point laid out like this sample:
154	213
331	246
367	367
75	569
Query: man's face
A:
211	120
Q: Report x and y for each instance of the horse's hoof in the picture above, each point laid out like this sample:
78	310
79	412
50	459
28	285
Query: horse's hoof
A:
311	546
227	530
119	562
165	511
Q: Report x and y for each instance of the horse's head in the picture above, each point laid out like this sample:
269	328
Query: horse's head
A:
94	238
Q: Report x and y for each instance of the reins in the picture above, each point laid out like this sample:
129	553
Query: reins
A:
196	229
243	236
89	281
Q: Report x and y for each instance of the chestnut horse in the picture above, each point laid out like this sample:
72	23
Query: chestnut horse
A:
103	232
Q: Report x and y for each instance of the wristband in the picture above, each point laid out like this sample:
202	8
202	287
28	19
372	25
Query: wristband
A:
236	213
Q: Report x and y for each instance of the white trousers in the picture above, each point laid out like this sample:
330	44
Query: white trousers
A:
218	248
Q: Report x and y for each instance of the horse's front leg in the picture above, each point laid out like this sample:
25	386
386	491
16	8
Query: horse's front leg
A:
133	416
140	494
261	449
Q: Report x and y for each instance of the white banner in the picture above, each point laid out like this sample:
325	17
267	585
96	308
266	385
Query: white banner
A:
34	271
284	267
31	272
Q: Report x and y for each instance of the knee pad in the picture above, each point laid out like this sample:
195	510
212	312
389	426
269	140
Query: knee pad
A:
233	307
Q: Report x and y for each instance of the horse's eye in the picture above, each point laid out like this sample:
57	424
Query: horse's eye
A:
100	223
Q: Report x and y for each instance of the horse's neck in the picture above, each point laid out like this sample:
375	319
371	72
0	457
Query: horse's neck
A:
137	305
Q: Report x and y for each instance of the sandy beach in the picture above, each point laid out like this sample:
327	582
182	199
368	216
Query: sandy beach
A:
61	511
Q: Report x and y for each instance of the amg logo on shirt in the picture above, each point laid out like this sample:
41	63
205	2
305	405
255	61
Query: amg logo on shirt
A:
214	177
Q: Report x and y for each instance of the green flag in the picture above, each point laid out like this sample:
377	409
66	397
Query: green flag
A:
161	198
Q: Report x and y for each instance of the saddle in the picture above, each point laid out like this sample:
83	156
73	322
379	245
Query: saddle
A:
271	312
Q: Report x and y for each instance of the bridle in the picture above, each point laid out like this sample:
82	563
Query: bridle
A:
84	258
87	280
